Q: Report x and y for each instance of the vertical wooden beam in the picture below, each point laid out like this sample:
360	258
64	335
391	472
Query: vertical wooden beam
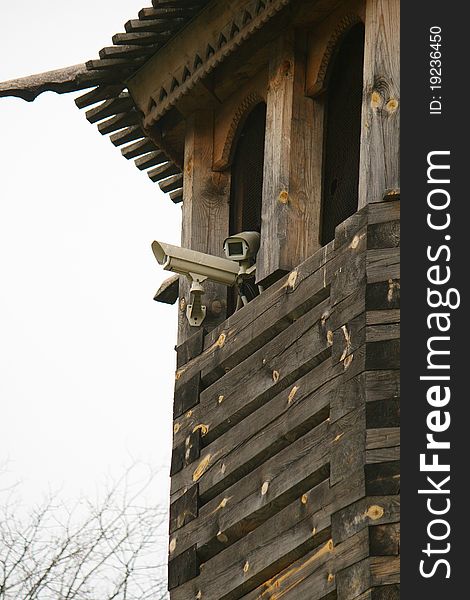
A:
291	200
205	216
380	160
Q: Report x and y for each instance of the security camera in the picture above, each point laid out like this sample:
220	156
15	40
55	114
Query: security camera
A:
198	267
243	246
239	270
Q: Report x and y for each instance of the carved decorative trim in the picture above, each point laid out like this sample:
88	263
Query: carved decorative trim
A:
342	28
238	120
255	14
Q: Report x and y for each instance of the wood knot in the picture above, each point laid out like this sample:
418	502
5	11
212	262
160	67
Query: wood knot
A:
304	499
391	105
264	488
292	279
275	376
201	468
182	304
221	537
292	394
283	197
246	567
220	399
330	577
176	427
172	545
375	512
329	337
221	340
204	428
375	100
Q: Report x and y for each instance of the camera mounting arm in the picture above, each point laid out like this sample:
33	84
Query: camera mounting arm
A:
196	311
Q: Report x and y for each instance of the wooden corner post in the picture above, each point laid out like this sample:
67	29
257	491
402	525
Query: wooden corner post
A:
380	136
205	216
291	203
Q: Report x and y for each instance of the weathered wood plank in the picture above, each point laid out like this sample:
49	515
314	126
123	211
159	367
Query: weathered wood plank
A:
138	148
383	317
187	396
295	530
291	204
383	264
185	509
383	478
190	348
374	510
382	455
382	438
312	577
266	490
183	568
378	333
275	425
269	370
379	167
385	570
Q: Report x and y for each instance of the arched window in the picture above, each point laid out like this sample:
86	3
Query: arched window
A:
247	173
342	133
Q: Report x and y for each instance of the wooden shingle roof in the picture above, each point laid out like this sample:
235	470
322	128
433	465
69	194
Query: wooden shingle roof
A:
108	103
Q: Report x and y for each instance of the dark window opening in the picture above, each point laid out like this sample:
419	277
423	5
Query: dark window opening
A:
247	174
246	189
342	134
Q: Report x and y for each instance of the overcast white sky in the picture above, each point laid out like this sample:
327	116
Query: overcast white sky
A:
86	355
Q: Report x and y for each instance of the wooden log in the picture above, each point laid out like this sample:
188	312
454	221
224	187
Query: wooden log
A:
176	196
291	206
126	51
119	121
163	170
185	509
385	571
190	348
383	413
144	38
383	212
109	108
297	528
185	454
313	576
265	491
383	295
187	396
168	291
269	370
151	159
154	25
375	510
138	148
382	455
265	432
272	546
383	235
172	183
383	355
382	478
102	92
382	438
383	264
183	568
128	134
379	164
348	440
69	79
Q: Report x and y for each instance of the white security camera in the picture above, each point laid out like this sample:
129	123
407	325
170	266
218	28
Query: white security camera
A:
241	249
198	267
243	246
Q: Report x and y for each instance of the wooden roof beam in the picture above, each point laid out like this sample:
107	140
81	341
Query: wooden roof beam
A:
61	81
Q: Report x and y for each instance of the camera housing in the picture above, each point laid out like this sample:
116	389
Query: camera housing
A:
242	246
197	265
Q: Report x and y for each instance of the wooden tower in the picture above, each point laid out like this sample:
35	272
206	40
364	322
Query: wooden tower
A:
282	116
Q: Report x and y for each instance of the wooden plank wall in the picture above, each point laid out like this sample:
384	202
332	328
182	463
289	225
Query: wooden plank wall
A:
285	470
